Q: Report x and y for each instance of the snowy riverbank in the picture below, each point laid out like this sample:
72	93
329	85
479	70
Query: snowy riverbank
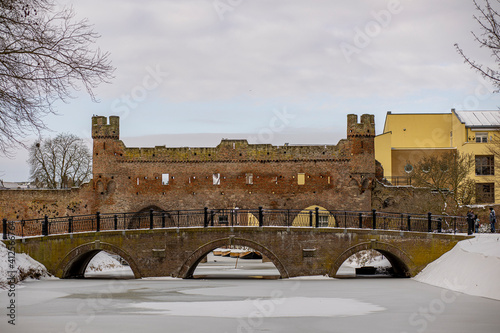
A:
471	267
18	267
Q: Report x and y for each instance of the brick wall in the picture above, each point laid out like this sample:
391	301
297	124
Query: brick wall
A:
249	175
332	176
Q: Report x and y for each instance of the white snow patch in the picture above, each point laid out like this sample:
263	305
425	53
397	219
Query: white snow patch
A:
21	267
102	261
471	267
272	307
312	277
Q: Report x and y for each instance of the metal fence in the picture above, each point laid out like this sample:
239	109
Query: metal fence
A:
235	217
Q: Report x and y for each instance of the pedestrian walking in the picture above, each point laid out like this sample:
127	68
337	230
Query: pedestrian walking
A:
470	222
493	219
476	223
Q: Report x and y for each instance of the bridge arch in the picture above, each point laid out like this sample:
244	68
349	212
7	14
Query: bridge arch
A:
400	261
187	269
73	265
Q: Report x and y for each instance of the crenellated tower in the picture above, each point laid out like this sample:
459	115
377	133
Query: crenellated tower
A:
361	137
106	148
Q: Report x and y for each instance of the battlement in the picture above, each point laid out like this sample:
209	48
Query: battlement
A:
101	129
365	128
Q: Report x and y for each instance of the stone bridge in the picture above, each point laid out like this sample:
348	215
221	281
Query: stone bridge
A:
295	251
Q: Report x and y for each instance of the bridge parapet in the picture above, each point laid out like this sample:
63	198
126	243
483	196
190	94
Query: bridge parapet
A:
317	218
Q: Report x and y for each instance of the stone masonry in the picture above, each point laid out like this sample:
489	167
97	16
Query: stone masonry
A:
233	174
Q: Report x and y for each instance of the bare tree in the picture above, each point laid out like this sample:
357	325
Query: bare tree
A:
488	19
448	175
61	162
44	55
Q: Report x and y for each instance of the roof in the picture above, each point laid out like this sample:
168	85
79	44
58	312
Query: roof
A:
479	118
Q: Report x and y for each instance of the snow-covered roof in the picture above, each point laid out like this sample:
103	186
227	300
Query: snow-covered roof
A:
479	118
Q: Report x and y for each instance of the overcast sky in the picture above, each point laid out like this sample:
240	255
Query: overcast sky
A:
192	72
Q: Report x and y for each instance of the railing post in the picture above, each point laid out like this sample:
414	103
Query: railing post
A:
261	216
439	225
317	217
288	217
360	220
163	219
151	218
98	221
374	218
310	218
4	229
409	222
70	225
429	222
205	220
212	215
45	226
115	218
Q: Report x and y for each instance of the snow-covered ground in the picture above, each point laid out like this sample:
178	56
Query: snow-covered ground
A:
106	265
19	266
471	267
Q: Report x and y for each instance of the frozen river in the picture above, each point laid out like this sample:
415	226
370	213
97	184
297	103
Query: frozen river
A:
240	305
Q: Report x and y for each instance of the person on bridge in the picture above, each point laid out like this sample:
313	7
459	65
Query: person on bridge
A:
493	219
470	222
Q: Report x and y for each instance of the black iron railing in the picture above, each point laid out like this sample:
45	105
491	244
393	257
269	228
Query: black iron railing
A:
260	217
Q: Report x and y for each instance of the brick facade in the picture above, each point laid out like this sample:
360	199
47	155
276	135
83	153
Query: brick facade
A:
233	174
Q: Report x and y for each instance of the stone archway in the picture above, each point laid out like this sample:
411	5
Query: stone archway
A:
73	265
140	220
302	218
187	269
400	261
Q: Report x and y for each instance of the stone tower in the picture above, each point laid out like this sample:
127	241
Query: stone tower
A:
107	146
361	137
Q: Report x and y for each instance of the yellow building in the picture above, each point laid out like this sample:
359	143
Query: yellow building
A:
409	137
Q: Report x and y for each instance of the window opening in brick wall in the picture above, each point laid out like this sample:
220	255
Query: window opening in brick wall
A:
301	178
216	178
165	178
249	178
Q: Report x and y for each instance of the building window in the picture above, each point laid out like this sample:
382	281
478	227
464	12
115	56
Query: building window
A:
485	165
301	178
485	193
322	220
165	178
249	178
223	220
216	178
482	137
